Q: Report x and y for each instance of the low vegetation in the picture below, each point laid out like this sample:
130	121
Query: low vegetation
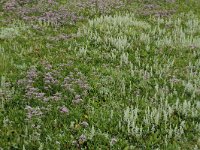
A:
106	74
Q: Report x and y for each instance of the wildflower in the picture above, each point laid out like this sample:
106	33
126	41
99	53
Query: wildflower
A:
45	99
32	74
48	78
10	5
56	97
82	139
77	97
31	92
84	124
40	95
33	112
48	67
64	110
50	1
21	82
77	101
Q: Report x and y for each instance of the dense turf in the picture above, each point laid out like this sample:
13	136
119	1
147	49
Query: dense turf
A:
106	74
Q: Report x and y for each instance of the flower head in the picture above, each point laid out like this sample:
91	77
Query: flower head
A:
64	109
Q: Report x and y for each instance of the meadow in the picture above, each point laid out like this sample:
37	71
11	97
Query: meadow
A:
99	74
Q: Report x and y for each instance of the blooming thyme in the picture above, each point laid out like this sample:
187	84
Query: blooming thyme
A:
33	112
64	109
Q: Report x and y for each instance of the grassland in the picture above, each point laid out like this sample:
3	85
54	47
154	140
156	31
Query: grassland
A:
106	74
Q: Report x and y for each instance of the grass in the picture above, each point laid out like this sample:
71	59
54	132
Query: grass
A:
100	74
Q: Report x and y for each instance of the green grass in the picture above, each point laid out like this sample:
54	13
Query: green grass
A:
123	78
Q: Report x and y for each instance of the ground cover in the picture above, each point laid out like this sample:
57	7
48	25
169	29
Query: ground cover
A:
106	74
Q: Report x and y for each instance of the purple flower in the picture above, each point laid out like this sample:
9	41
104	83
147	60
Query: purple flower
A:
64	109
50	1
21	82
32	112
40	95
82	139
56	97
48	67
77	99
49	79
46	99
32	74
10	5
31	92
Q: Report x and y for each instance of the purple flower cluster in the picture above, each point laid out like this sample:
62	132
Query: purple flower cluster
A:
77	99
32	74
64	109
56	14
80	141
31	92
47	84
33	112
43	10
76	82
153	9
49	79
10	5
56	97
58	17
46	65
102	6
